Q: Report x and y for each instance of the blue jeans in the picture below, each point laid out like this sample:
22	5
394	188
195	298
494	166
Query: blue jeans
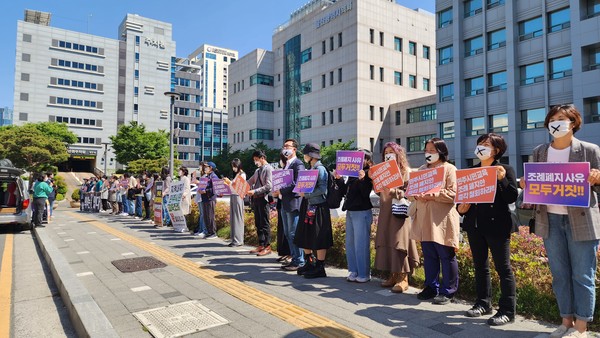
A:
138	206
573	268
358	240
131	207
290	223
125	204
434	255
201	226
166	217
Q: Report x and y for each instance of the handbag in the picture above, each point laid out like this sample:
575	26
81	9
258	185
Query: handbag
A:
400	207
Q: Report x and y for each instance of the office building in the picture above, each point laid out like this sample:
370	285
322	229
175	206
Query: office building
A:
6	116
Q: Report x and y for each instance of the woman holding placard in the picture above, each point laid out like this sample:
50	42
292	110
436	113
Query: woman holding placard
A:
488	226
236	205
395	251
571	234
435	223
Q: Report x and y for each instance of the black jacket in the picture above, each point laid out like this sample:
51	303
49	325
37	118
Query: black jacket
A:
290	201
494	218
357	193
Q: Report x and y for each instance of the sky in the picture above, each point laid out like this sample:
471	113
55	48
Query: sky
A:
243	25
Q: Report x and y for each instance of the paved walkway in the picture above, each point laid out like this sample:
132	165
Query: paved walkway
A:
252	293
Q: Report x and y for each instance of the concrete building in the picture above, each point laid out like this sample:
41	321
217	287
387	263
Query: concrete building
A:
502	65
337	68
6	116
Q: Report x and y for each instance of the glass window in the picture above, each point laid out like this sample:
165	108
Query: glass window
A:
397	44
331	116
323	119
530	29
323	47
475	126
261	79
592	109
323	80
398	78
307	55
472	7
533	73
593	8
371	35
340	114
423	113
339	75
412	48
497	81
381	114
261	134
306	87
331	43
445	55
381	38
499	123
306	122
371	72
446	92
447	130
561	67
444	17
261	105
381	73
474	86
372	113
559	20
339	39
494	3
474	46
412	81
331	78
533	118
496	39
426	52
591	58
426	85
398	117
417	143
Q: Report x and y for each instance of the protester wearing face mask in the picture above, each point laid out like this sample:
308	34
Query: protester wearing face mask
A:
236	206
435	223
186	199
260	187
200	229
571	234
488	226
209	201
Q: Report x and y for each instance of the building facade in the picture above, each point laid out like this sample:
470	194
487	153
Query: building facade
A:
6	116
503	64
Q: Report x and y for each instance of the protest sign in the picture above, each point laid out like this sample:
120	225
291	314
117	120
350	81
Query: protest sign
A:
348	162
282	179
557	184
157	206
220	188
240	186
202	184
386	174
174	206
307	180
476	185
427	181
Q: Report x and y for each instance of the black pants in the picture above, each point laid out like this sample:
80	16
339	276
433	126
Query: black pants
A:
105	205
208	210
260	206
500	248
147	207
283	247
39	203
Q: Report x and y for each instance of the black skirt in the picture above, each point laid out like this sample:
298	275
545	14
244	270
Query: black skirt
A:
314	227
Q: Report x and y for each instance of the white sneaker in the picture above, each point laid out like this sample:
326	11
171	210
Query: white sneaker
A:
573	333
201	235
352	277
559	332
362	279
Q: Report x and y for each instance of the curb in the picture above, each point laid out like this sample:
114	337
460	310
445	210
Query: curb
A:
85	314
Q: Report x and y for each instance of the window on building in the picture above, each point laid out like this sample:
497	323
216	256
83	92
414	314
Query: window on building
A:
533	73
397	44
339	75
26	37
372	72
446	92
447	130
561	67
261	105
340	114
371	35
591	57
306	55
323	119
323	47
496	39
412	48
533	118
472	7
499	123
340	39
26	57
24	77
24	97
417	143
305	123
474	86
412	81
445	55
494	3
381	74
475	126
381	38
444	17
323	80
330	43
372	113
426	85
497	81
474	46
591	107
531	28
305	88
420	114
371	144
331	78
398	117
559	20
592	8
261	134
426	52
331	116
381	114
398	78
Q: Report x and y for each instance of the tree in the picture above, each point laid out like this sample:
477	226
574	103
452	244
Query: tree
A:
151	165
133	142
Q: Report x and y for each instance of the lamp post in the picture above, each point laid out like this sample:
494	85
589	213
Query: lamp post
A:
173	96
105	155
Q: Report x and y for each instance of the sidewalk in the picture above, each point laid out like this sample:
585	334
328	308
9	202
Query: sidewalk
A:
254	296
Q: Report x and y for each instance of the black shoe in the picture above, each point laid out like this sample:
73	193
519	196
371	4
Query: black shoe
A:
308	267
477	311
285	265
230	245
500	319
317	272
426	294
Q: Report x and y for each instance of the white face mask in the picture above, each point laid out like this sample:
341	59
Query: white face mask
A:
432	158
257	163
235	170
483	152
390	156
287	152
559	128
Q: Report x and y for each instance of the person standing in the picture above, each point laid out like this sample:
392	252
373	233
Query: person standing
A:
209	201
571	234
104	193
200	229
51	199
112	195
488	227
147	198
260	187
436	225
41	190
139	196
236	205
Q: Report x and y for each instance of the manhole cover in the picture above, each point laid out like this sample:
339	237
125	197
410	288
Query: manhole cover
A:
179	319
138	264
446	329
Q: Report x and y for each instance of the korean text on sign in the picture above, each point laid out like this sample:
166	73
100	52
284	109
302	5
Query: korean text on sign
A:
307	180
386	174
563	184
428	181
240	186
203	183
476	185
349	163
220	188
282	178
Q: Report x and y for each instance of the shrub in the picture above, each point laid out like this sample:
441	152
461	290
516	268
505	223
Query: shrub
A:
60	197
75	195
61	186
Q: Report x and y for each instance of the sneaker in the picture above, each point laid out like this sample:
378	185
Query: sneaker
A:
501	319
573	333
306	268
316	272
441	300
427	293
213	236
559	332
477	311
200	235
352	277
363	279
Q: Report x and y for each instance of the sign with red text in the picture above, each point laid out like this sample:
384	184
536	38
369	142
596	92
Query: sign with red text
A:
563	184
427	181
307	180
348	162
476	185
240	186
386	175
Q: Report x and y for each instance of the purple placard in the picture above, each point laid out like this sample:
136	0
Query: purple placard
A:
282	179
202	183
348	162
563	184
220	188
307	180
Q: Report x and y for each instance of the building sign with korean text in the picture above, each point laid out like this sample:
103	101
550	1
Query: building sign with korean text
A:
333	14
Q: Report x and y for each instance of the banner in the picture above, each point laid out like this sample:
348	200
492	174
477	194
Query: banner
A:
202	184
240	186
386	174
557	184
307	180
220	188
349	163
427	181
174	206
476	185
282	179
157	203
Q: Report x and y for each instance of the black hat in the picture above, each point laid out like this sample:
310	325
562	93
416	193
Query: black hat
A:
313	150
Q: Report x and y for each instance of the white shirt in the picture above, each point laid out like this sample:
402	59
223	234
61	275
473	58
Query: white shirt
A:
558	156
289	162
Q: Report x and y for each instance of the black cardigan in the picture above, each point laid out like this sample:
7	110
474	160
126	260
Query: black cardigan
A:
357	194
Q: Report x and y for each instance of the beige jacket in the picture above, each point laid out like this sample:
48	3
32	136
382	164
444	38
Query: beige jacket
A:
437	220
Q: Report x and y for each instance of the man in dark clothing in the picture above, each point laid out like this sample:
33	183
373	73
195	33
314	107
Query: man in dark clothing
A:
260	187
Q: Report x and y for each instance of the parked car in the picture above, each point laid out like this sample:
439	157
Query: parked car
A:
15	204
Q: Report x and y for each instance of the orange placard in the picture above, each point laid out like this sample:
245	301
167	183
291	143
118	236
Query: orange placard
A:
476	185
240	186
386	174
427	181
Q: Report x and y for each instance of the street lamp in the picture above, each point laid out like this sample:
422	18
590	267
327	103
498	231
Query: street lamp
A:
173	95
105	155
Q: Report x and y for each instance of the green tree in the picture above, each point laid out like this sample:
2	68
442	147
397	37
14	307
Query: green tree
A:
133	142
151	165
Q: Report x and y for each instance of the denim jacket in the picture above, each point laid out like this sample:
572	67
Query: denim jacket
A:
319	194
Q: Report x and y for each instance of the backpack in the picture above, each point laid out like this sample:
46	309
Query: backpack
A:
335	195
